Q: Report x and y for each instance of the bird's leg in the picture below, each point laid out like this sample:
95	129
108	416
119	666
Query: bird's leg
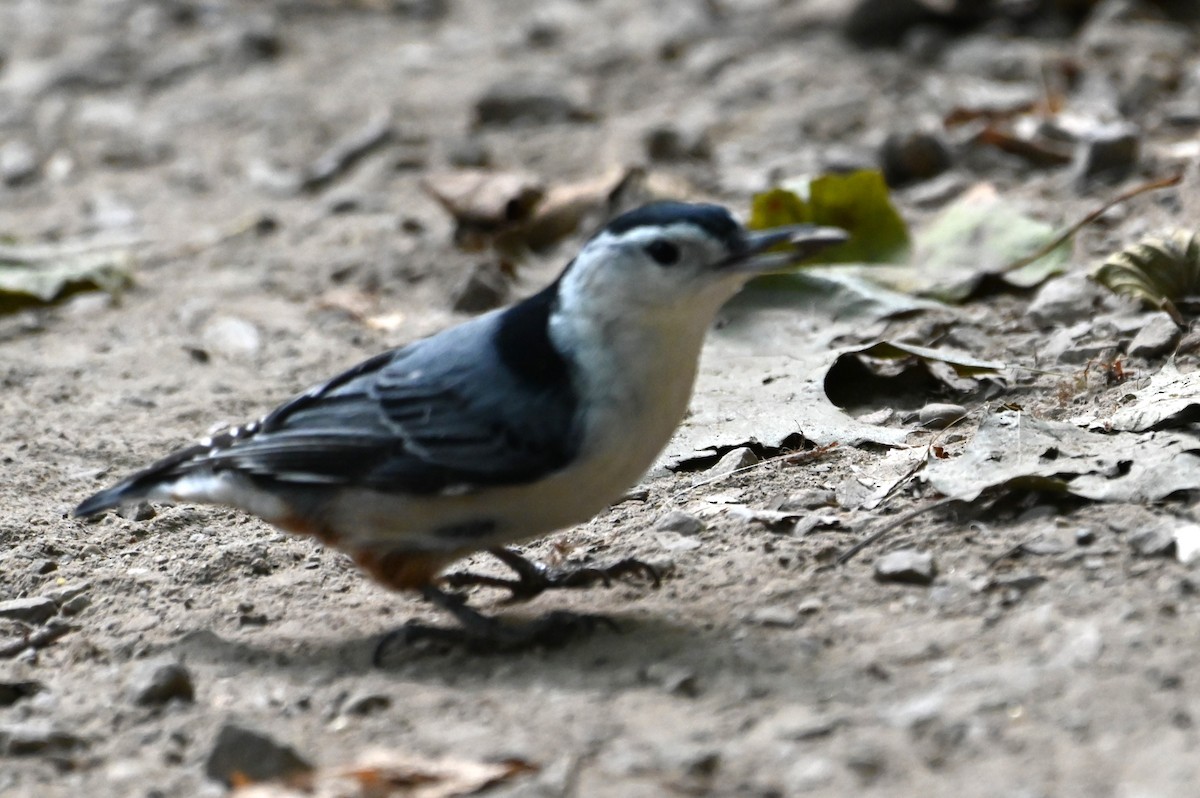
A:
484	634
534	577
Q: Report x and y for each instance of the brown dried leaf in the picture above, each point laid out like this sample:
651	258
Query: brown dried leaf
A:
485	203
393	774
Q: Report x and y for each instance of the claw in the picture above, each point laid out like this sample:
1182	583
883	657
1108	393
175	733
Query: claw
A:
533	577
480	634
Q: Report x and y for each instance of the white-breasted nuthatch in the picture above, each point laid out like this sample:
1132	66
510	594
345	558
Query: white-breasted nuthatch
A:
505	428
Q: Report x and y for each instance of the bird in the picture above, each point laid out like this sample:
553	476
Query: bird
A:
503	429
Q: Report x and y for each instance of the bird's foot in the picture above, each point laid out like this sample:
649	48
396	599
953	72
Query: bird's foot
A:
534	577
481	634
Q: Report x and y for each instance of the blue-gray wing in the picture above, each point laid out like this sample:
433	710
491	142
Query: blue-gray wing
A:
490	402
434	415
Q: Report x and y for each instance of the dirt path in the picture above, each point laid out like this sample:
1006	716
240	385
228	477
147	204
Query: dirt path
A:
1062	668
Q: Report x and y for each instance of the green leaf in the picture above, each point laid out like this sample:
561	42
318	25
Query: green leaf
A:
857	202
777	207
1158	270
963	365
40	276
976	238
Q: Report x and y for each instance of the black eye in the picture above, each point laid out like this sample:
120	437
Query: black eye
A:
664	252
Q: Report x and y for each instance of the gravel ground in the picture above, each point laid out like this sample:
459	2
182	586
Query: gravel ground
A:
1023	643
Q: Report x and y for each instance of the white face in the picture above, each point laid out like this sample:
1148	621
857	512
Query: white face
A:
654	270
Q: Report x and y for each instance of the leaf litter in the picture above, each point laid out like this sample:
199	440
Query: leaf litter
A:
1015	451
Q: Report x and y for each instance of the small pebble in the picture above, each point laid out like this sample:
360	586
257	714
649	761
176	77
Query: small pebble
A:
733	460
1158	542
37	737
366	704
75	605
670	142
36	610
12	692
680	522
239	754
777	617
906	566
808	499
158	681
61	595
469	153
142	511
18	163
1157	338
907	158
1108	153
1064	300
484	288
938	415
515	102
232	337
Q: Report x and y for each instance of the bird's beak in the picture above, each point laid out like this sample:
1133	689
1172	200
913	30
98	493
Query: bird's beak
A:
770	250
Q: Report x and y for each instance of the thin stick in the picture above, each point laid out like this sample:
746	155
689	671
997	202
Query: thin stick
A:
1153	185
874	537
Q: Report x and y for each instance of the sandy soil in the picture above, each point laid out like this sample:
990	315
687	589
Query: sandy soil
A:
757	668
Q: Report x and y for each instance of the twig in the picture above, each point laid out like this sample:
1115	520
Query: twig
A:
347	151
874	537
1057	241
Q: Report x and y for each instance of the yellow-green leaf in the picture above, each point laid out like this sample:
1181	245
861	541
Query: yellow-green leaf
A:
857	202
36	276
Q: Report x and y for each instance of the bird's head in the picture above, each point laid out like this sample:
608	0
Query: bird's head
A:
669	259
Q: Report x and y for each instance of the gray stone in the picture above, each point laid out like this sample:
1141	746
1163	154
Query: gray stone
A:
75	606
44	566
1157	338
808	499
734	460
867	762
906	566
423	10
12	692
675	680
912	157
680	522
672	142
778	617
1064	300
232	337
36	610
485	288
18	163
518	102
470	152
159	681
366	703
796	723
1108	153
142	511
239	754
1158	542
37	737
939	415
61	595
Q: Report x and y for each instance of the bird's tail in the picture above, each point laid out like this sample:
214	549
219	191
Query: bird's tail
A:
145	484
107	500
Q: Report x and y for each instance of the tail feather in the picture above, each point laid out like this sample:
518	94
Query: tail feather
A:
140	486
107	500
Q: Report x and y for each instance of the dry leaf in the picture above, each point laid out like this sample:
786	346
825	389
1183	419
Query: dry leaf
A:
392	774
